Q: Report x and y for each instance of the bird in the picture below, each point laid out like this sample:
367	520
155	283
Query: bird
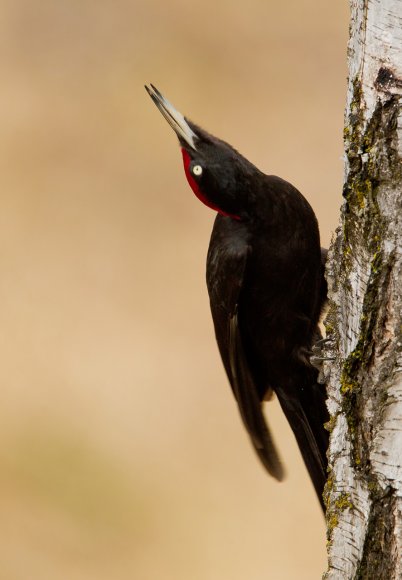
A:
266	286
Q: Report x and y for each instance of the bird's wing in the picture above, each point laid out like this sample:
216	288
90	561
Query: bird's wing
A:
226	269
249	404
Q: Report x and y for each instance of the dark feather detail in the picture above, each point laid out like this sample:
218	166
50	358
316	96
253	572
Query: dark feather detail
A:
265	277
250	405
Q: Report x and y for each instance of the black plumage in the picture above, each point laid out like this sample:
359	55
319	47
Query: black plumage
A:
267	289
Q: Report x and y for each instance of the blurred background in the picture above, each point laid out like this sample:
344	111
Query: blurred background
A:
122	452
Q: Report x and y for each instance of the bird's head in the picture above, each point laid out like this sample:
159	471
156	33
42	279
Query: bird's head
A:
217	173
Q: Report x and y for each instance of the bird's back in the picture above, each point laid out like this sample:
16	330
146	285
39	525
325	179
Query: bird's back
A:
274	265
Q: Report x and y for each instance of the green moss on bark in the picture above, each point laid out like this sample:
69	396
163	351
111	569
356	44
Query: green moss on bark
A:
378	556
362	263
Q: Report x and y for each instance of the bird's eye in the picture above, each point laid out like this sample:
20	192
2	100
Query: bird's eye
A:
197	170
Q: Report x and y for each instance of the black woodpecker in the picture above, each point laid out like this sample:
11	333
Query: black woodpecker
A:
266	288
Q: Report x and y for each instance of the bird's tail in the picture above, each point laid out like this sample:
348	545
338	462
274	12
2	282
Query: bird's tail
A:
307	413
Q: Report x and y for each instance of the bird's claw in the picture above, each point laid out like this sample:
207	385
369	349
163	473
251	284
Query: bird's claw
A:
317	357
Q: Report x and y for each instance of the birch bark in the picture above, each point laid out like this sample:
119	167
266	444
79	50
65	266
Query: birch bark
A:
364	489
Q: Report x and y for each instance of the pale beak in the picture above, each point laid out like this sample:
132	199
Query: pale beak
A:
173	117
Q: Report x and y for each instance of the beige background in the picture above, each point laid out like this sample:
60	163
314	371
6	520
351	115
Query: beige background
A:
122	453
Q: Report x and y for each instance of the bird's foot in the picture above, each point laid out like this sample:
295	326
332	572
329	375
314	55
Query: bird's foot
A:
318	356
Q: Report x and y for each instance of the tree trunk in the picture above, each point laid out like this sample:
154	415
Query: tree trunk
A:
364	489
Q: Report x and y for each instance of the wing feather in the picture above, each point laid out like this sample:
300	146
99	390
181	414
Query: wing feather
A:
226	270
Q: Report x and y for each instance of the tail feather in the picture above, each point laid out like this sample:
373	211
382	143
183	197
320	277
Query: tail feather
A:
307	415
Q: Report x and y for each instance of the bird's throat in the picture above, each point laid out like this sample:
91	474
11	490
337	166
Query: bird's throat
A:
195	187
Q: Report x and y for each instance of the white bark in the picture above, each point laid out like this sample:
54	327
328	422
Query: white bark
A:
364	490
